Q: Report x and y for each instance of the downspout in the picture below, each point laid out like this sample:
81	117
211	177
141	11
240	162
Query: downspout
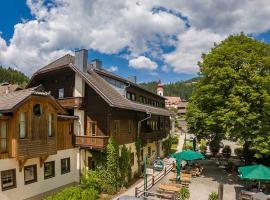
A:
140	122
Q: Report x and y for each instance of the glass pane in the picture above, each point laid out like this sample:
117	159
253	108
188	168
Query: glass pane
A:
29	174
3	144
4	130
22	125
7	179
50	125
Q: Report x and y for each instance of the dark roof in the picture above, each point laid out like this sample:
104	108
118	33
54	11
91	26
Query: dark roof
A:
11	101
101	86
67	59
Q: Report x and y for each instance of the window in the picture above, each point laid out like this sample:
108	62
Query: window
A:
22	125
130	124
143	99
65	165
71	128
3	137
132	158
91	164
50	125
30	174
37	110
116	127
8	179
92	128
61	93
149	152
131	96
49	169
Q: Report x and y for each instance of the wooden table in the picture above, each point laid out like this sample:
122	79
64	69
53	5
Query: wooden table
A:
170	188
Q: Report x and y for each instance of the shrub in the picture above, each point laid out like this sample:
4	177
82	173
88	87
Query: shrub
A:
91	180
184	193
226	151
72	193
238	152
203	148
214	146
188	146
167	145
213	196
175	139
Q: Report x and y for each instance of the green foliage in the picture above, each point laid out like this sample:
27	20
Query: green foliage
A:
188	145
13	76
100	158
227	151
213	196
167	145
112	167
74	193
238	152
232	98
91	180
181	89
175	139
125	165
214	145
184	193
203	146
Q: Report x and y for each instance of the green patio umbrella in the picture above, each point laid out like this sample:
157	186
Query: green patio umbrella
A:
255	172
187	155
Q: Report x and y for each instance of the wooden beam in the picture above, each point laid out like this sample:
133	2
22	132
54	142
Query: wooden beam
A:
42	159
21	164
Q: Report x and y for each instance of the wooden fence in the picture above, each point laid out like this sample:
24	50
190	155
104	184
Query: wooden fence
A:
139	191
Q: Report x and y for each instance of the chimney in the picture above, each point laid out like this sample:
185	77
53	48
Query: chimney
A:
81	59
132	79
97	64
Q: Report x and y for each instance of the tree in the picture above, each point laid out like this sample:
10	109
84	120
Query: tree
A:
232	97
125	165
113	172
13	76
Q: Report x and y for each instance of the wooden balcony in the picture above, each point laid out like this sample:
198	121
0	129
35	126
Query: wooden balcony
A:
92	142
148	137
71	102
28	148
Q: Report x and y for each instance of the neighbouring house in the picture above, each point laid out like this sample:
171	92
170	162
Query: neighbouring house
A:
6	88
106	105
36	150
178	110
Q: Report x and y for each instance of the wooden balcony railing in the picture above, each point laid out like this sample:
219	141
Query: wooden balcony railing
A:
153	136
71	102
92	142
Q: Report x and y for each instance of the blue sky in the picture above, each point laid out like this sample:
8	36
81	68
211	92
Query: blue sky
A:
153	41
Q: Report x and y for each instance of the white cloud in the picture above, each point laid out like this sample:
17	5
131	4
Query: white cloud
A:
113	26
113	68
143	63
191	45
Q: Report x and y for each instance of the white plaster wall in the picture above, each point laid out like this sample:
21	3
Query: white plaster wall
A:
79	86
23	191
79	124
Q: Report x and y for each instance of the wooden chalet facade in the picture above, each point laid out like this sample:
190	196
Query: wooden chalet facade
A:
106	104
35	135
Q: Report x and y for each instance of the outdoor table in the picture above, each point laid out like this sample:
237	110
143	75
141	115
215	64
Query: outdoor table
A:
171	188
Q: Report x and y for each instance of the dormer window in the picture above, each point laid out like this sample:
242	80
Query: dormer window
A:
37	110
61	93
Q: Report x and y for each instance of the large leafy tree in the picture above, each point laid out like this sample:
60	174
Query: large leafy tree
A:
232	97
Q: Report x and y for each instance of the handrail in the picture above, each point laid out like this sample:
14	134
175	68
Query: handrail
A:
88	136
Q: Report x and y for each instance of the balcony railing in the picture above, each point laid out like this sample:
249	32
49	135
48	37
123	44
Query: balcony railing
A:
92	142
71	102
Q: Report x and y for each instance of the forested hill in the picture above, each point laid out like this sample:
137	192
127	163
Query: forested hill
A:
13	76
179	88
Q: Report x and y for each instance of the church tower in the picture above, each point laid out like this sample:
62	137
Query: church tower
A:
160	88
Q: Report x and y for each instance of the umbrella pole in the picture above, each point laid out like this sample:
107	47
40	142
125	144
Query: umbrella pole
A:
259	185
